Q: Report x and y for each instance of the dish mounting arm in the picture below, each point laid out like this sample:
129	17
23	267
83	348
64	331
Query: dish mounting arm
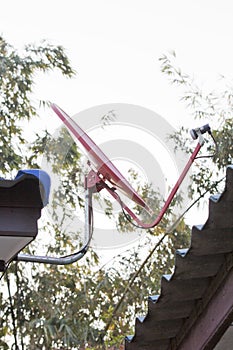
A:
90	188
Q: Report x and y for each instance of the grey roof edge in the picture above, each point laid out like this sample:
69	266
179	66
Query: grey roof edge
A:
207	247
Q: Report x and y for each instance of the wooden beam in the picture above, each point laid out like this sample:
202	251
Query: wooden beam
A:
214	321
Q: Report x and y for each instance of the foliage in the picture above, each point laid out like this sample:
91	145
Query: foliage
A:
17	73
214	106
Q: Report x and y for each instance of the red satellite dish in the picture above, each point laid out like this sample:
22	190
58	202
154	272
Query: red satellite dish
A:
108	171
99	160
105	170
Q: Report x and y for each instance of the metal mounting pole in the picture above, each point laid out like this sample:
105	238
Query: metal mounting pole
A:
69	259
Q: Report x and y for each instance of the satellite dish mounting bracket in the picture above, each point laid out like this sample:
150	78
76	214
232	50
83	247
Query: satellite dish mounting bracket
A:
92	184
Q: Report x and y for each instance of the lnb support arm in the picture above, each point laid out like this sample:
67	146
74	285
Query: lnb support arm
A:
195	133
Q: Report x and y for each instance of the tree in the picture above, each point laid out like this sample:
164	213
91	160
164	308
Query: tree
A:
215	105
82	305
17	73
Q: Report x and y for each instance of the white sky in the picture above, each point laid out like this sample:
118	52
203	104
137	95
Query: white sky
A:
115	46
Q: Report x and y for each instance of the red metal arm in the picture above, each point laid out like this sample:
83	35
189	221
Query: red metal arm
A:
169	199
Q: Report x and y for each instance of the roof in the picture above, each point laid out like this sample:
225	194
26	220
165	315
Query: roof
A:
194	307
21	201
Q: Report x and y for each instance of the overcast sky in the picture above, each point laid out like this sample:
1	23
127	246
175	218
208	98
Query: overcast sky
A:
115	46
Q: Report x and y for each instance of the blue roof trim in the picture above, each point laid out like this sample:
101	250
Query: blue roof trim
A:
44	180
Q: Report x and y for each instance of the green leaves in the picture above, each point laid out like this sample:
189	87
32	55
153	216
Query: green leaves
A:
47	57
17	73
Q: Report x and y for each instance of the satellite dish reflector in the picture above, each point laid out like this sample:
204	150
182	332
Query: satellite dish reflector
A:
99	160
106	170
